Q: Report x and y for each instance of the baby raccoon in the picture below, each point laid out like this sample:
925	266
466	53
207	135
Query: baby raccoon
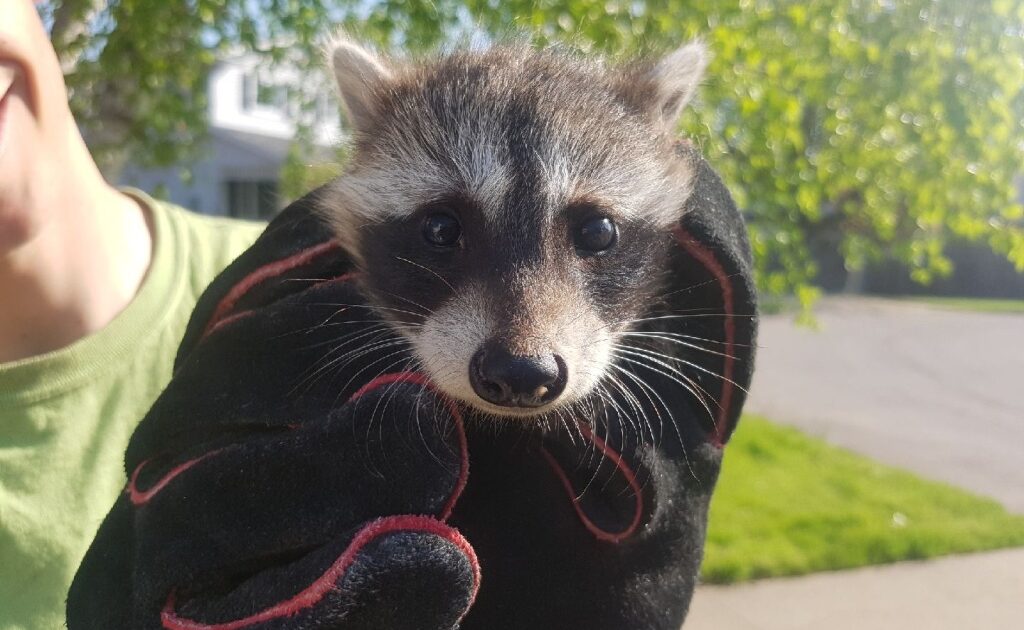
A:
510	210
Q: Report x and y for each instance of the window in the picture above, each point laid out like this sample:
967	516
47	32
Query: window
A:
270	95
259	90
248	91
252	199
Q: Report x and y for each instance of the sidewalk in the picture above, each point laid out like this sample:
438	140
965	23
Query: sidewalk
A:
984	590
937	392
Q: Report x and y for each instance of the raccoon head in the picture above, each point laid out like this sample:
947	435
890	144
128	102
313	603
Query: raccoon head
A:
509	210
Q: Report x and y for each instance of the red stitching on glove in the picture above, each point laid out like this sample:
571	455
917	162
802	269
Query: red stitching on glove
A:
707	258
213	327
140	497
626	471
418	378
328	581
265	272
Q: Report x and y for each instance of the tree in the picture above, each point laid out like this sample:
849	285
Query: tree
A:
883	127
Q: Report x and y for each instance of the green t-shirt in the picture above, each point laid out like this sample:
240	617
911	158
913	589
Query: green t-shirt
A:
66	416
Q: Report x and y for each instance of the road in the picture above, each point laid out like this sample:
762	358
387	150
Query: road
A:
984	590
939	392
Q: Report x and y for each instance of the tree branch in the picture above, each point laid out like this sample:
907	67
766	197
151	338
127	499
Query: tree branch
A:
70	30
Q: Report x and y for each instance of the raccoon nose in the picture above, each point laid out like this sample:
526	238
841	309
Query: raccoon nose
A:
510	380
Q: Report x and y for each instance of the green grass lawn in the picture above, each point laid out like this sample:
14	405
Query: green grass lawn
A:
788	504
973	304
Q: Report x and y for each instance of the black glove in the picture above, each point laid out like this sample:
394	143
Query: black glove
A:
290	476
598	526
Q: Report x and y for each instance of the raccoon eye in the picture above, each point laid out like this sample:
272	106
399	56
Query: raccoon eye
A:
442	230
596	234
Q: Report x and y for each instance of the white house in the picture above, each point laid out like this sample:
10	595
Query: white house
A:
252	121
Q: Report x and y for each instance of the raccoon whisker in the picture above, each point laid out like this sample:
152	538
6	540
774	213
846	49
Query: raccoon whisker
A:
368	307
657	358
675	426
328	364
609	398
595	451
327	361
631	422
672	374
387	397
626	324
362	351
444	398
560	414
394	323
588	409
698	285
646	390
695	338
379	329
382	327
373	413
686	316
637	404
574	419
369	350
685	362
426	311
419	422
634	404
309	329
676	341
568	432
630	322
641	418
428	270
401	343
348	338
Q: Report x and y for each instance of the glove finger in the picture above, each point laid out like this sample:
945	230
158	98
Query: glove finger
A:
100	594
400	573
291	362
708	318
292	253
605	486
394	450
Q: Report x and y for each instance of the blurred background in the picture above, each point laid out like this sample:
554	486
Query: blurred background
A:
875	148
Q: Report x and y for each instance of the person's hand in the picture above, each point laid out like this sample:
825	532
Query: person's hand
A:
286	477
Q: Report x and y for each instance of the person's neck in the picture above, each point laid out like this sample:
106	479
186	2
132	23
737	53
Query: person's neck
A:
81	269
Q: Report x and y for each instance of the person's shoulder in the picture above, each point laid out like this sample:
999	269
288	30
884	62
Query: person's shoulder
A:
219	235
201	246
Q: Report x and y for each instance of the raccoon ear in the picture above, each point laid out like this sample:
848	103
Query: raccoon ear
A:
359	73
667	86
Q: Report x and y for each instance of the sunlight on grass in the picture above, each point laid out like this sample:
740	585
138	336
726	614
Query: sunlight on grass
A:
789	504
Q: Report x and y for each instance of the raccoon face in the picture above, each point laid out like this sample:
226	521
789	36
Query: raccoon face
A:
509	210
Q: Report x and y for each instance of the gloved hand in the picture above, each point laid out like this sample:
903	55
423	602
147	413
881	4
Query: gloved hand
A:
253	481
279	482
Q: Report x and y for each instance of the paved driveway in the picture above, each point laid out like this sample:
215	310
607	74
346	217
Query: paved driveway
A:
936	391
983	590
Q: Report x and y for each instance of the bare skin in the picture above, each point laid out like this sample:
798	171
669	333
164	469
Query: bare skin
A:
73	250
